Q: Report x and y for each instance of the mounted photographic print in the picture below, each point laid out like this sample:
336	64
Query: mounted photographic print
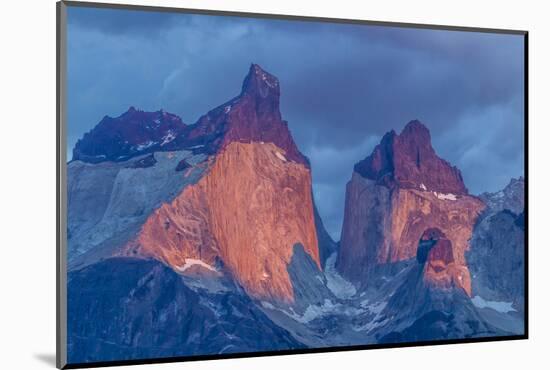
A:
235	184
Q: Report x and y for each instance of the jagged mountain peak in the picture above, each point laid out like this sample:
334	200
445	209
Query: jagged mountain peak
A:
408	160
134	132
262	89
417	129
441	270
258	81
512	197
253	116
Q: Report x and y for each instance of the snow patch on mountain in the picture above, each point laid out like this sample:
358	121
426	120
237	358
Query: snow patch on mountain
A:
376	310
313	312
168	138
339	286
443	196
280	156
502	307
192	262
145	145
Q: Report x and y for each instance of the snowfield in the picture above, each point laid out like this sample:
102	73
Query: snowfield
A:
443	196
502	307
192	262
339	286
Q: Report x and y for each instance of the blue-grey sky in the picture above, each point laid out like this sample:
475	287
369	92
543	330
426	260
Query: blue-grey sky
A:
342	86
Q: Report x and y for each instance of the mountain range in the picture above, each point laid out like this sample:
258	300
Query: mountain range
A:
204	238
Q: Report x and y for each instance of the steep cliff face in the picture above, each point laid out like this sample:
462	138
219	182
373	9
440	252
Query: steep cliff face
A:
109	201
246	214
397	193
237	194
441	270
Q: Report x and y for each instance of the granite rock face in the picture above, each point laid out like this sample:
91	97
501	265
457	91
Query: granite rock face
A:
108	202
395	195
248	211
441	270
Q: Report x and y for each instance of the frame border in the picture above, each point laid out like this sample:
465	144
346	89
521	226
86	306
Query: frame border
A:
61	186
61	183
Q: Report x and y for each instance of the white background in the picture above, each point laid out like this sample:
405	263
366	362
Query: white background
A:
27	168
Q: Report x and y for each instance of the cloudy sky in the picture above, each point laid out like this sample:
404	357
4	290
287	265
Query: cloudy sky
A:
342	86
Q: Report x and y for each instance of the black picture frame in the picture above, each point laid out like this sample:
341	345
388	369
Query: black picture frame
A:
61	201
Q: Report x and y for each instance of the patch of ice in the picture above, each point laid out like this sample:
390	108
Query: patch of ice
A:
229	346
269	82
443	196
339	286
370	325
423	187
314	311
211	285
267	305
168	138
227	109
145	145
280	156
376	309
192	262
502	307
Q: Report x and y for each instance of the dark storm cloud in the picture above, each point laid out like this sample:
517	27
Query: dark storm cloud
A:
118	22
343	86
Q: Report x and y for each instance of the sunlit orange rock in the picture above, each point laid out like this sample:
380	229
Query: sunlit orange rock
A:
397	193
441	269
245	214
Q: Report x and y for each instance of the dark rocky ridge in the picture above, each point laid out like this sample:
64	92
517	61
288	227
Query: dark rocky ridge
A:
151	313
133	133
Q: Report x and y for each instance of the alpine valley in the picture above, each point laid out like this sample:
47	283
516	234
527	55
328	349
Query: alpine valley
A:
204	238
